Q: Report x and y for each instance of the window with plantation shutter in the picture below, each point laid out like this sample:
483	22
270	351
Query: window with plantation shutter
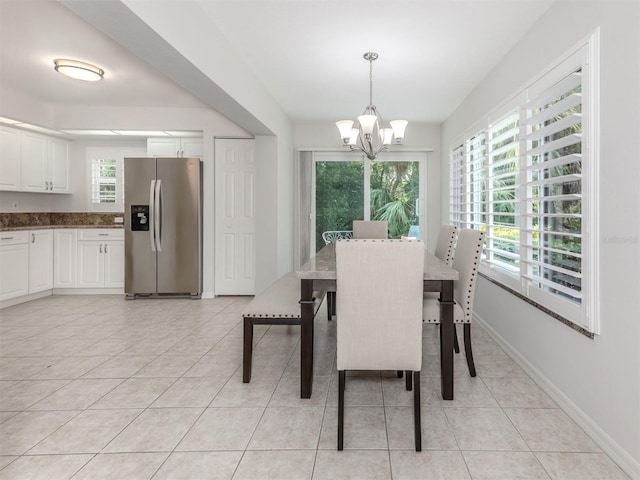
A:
528	179
476	194
554	233
105	177
456	185
503	224
104	180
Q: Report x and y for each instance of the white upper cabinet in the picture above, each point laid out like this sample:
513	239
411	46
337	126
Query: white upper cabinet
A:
30	162
33	162
9	159
174	147
58	166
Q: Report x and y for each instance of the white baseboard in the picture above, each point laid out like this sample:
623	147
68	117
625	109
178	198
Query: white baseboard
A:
608	445
88	291
24	298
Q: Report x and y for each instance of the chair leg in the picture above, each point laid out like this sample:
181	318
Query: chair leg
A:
408	381
416	410
467	349
400	373
330	300
341	377
333	303
456	345
247	350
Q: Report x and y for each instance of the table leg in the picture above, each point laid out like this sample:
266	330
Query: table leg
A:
306	338
446	339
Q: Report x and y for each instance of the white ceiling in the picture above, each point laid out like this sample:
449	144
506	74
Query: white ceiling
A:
307	53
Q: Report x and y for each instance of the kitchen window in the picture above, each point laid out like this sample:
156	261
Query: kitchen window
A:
527	177
105	177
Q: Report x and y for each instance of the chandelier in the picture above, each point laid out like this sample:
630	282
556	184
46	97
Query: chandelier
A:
372	137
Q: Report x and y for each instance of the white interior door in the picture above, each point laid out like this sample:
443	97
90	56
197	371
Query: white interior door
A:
235	217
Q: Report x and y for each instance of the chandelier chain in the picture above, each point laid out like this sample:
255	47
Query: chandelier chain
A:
371	81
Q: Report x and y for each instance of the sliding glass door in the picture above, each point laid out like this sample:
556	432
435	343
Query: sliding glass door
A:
351	187
339	194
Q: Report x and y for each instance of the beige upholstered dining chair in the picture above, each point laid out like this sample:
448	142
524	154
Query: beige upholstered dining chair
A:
445	243
444	251
361	229
370	229
380	285
466	261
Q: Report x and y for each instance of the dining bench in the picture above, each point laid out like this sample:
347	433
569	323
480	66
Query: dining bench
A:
279	304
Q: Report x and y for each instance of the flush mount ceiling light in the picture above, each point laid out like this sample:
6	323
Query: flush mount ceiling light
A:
78	70
372	137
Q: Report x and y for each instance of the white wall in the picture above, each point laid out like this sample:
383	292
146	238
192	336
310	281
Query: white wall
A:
418	136
231	88
597	381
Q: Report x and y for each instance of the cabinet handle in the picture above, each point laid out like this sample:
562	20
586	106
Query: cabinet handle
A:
33	238
177	153
100	248
182	153
105	248
6	238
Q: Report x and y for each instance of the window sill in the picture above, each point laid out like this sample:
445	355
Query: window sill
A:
534	304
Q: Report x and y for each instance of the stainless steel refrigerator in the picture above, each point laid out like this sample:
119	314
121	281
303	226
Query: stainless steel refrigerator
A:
163	227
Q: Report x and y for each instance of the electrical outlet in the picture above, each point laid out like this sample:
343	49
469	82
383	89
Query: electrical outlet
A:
118	219
14	205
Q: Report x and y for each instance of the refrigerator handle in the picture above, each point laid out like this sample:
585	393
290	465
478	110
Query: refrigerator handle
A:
152	209
158	214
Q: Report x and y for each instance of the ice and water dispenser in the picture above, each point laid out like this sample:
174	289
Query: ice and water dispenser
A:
139	218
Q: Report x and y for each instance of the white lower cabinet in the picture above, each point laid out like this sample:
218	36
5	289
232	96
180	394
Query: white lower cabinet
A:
100	258
33	261
40	260
65	254
14	264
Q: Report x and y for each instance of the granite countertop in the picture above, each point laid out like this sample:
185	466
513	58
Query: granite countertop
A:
40	221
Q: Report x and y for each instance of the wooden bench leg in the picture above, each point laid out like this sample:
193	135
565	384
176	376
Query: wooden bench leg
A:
247	350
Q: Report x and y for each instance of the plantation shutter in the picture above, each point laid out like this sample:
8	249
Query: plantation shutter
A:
554	223
456	186
475	212
104	180
503	231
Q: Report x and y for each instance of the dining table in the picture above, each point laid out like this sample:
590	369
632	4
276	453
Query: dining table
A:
319	274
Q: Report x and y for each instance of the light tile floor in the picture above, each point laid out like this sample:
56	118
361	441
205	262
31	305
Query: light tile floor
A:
97	387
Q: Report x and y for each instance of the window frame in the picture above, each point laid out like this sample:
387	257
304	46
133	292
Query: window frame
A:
583	316
417	156
94	154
